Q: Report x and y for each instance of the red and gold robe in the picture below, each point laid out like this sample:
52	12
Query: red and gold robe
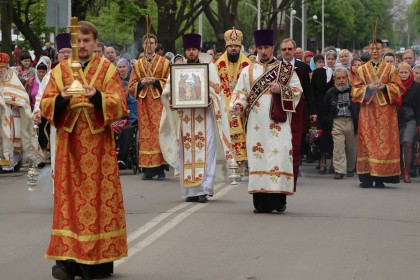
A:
149	107
378	137
89	220
229	74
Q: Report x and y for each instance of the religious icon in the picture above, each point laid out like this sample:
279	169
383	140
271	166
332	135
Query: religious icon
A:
189	86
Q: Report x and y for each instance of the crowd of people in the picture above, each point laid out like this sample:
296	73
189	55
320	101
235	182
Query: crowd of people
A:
256	114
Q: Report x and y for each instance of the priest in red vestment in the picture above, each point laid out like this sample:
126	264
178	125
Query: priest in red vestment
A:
89	228
377	85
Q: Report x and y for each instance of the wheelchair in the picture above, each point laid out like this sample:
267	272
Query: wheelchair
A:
127	144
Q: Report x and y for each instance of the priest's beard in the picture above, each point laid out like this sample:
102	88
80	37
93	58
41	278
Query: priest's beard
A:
3	75
233	57
192	59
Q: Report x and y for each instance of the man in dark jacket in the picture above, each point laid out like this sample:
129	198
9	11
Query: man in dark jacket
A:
288	49
342	117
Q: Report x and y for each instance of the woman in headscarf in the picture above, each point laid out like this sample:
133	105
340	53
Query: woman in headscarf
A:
344	59
408	110
32	87
321	82
124	69
307	56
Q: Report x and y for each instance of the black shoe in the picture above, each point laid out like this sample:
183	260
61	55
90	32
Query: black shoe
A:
379	185
331	170
61	273
202	198
161	175
281	209
366	185
121	165
191	199
146	177
256	211
338	176
350	174
41	165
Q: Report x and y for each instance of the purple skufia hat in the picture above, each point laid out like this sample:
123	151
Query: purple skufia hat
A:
62	41
264	37
191	41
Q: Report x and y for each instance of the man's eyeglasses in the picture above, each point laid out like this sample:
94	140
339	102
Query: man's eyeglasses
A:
287	49
64	52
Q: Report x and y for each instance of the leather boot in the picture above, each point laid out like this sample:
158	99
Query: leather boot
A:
406	174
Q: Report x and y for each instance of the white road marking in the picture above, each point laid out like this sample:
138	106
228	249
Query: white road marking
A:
168	226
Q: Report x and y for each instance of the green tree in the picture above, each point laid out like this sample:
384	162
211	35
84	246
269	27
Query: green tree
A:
6	27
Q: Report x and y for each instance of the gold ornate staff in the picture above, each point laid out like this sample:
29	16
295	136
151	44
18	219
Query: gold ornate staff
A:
76	89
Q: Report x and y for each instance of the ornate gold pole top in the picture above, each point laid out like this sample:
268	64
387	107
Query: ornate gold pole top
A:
74	31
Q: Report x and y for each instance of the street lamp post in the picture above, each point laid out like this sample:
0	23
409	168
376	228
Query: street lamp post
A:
322	24
302	20
315	18
292	13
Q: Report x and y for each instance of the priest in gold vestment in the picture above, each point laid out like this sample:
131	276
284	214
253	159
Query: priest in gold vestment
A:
89	228
147	81
229	67
377	85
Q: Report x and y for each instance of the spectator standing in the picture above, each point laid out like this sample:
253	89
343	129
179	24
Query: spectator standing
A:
28	70
299	120
160	50
64	52
299	54
416	73
99	49
124	69
32	87
409	57
50	52
343	117
321	82
408	110
389	58
111	55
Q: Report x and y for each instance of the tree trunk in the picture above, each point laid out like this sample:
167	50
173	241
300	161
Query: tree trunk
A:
6	28
26	30
225	19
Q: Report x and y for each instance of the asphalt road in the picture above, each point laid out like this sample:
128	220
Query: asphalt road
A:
331	230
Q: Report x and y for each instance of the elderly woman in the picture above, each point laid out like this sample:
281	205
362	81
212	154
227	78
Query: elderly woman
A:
408	109
344	59
124	69
32	87
321	82
416	73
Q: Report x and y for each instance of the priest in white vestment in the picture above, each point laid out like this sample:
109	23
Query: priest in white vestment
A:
189	138
268	92
17	138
